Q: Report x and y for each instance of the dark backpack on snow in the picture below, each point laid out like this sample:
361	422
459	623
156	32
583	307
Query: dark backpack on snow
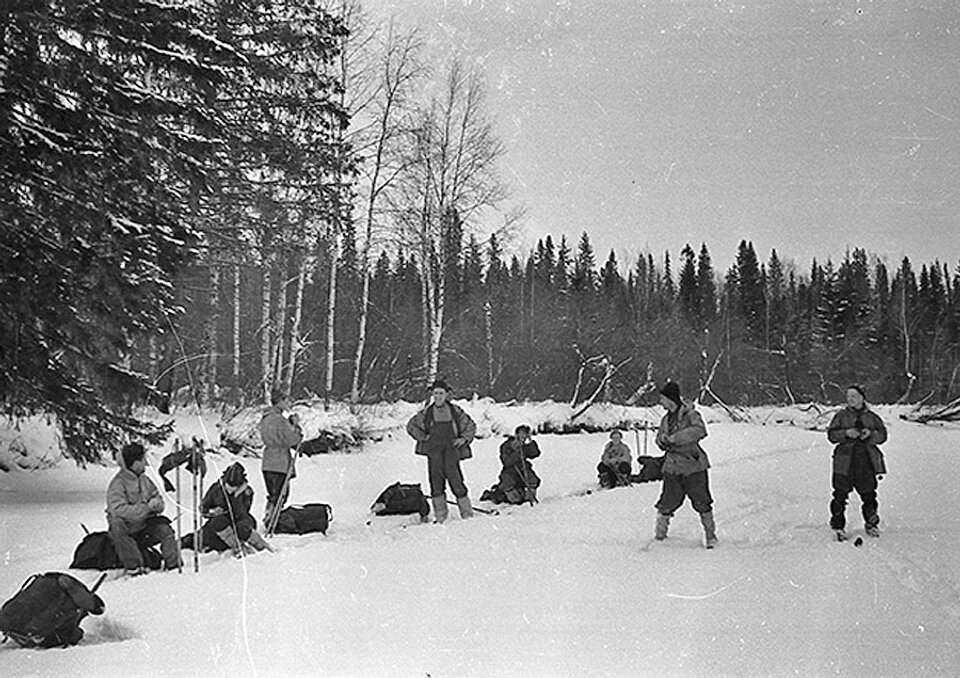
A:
304	519
96	552
47	611
400	499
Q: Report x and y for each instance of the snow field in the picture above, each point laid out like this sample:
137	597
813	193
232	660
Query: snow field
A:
572	586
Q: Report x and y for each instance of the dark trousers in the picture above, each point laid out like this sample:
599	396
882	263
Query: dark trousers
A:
610	476
866	486
676	488
443	467
273	482
157	530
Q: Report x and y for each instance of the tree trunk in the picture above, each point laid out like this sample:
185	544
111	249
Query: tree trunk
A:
488	336
361	331
210	335
294	339
332	313
236	328
266	347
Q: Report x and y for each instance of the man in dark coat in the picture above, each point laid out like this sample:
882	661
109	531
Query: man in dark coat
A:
443	432
226	505
517	481
857	461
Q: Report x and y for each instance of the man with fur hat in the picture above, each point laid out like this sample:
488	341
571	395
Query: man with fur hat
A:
226	505
443	432
685	464
857	461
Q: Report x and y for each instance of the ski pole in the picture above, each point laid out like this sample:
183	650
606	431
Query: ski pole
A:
490	512
274	517
179	527
195	508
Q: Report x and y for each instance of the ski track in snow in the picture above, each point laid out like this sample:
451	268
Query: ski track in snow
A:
574	585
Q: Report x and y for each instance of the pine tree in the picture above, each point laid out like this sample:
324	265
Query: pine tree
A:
104	137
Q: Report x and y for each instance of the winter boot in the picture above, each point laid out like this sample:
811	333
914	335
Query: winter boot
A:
466	508
660	529
229	538
709	529
872	530
439	508
258	542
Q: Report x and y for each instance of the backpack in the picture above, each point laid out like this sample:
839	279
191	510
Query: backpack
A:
651	468
96	552
400	499
304	519
48	609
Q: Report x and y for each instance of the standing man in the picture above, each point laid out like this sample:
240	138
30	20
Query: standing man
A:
279	434
857	461
443	432
685	464
135	513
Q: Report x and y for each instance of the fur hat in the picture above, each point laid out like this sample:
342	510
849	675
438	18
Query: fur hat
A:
672	391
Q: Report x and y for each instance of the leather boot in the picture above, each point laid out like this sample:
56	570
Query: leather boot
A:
258	542
439	508
660	529
466	508
709	529
229	538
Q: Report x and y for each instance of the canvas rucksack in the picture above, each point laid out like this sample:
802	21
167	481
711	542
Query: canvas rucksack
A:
401	499
96	552
304	519
48	609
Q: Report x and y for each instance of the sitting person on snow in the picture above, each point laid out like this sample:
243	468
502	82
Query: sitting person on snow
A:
518	482
615	462
135	513
227	506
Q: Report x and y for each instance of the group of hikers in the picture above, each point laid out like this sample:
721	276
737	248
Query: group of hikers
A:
443	432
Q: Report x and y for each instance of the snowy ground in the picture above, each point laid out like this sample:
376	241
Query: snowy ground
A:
573	586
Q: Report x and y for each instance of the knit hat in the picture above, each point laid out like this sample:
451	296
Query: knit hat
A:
440	383
235	475
672	391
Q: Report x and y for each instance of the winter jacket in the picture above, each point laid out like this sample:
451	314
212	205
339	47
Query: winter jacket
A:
129	496
278	435
678	436
217	497
511	450
615	453
843	452
463	427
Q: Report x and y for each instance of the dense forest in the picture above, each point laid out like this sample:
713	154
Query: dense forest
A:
216	200
552	323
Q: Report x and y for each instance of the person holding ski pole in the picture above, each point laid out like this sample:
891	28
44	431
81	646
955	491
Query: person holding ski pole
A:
517	481
280	435
685	464
857	461
443	432
615	462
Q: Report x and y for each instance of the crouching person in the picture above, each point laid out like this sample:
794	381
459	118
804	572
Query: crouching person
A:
135	513
517	481
226	505
443	433
685	464
615	462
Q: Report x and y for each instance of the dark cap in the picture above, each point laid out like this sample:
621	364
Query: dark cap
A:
235	475
440	383
859	389
672	391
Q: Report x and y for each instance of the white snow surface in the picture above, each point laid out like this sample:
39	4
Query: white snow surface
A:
572	586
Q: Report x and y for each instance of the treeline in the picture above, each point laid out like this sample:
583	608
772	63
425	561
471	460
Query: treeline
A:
553	323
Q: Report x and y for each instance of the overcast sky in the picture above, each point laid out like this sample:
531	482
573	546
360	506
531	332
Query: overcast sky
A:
806	126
